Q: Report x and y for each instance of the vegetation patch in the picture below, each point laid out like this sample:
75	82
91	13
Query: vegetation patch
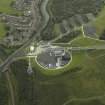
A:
87	81
62	9
3	90
67	38
5	7
98	23
24	83
86	42
2	30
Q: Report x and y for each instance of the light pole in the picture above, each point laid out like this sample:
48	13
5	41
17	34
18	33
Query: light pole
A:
29	69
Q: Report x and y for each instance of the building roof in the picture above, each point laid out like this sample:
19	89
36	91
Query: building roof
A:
90	31
49	59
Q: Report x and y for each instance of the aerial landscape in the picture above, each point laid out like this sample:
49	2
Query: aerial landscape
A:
52	52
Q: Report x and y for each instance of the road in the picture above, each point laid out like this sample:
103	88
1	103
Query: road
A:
84	48
12	57
88	48
10	87
84	99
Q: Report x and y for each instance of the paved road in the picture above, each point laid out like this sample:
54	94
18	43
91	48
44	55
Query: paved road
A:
45	12
85	48
84	99
12	57
11	88
88	48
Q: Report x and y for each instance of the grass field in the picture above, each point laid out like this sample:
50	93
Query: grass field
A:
56	30
85	41
6	8
99	22
2	29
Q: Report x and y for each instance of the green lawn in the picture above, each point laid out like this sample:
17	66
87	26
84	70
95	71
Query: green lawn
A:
85	41
5	7
2	29
99	22
78	57
56	30
82	42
